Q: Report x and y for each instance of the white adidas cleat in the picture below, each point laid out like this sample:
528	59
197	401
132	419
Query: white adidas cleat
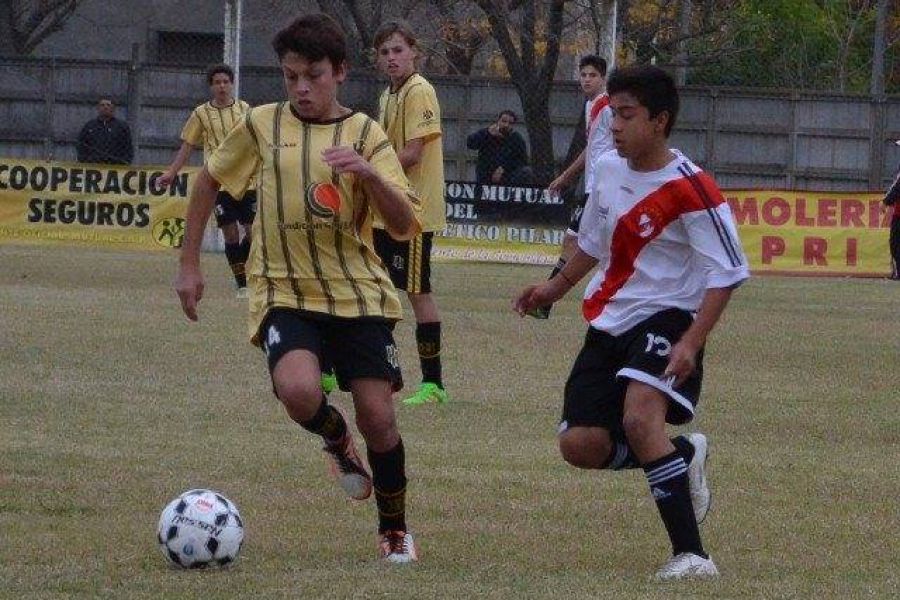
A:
700	494
397	547
687	566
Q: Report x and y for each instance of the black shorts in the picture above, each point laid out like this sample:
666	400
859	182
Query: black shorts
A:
229	210
358	348
595	391
575	215
408	263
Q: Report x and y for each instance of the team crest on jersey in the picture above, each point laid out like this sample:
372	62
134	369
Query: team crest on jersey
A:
323	200
428	114
651	221
645	226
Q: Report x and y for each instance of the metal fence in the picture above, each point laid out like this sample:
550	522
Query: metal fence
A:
746	138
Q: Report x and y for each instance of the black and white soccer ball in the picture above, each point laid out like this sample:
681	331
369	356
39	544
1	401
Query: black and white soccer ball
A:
199	529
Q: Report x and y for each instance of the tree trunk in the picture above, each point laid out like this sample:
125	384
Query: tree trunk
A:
683	35
533	78
876	86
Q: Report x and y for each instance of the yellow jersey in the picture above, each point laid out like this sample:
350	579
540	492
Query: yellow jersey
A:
412	112
312	237
208	125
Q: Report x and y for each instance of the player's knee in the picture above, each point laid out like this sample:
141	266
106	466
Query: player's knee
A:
300	398
377	428
583	449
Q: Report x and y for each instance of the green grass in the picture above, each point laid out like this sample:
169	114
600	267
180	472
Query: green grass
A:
111	403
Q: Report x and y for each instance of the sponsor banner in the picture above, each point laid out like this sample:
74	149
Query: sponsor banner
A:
498	223
106	205
812	233
815	233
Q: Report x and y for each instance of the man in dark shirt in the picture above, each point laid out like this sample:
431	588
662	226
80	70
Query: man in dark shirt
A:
105	139
502	157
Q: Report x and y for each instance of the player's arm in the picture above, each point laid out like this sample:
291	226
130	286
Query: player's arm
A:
411	153
553	289
189	279
571	171
476	140
422	122
683	359
181	157
391	202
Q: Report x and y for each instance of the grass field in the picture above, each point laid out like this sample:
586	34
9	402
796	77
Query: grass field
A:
112	403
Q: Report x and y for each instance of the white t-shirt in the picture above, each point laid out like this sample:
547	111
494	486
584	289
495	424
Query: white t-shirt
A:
597	119
661	238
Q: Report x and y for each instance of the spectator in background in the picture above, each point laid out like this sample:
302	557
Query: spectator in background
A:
106	139
502	156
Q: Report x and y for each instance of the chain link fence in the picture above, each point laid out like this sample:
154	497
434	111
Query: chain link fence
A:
145	63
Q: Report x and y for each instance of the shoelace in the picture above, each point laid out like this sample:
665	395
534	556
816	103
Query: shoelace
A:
396	542
345	463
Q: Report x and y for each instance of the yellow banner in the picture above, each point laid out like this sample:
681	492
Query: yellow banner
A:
813	233
810	233
107	205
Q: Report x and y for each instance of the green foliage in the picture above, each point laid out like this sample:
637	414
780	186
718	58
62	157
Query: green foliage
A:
796	44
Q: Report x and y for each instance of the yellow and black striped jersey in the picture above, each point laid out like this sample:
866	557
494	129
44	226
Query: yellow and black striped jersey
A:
412	112
312	236
208	125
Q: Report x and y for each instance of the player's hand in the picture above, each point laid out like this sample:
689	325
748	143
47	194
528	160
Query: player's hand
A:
497	176
189	287
530	298
345	159
166	179
556	186
682	362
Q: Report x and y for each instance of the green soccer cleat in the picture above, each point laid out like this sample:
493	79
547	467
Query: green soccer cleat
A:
541	312
329	382
427	392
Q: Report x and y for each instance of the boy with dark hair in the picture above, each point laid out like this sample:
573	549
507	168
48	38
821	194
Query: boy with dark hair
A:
597	118
410	115
317	287
668	257
208	126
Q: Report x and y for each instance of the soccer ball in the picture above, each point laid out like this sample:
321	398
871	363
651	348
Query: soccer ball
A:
200	528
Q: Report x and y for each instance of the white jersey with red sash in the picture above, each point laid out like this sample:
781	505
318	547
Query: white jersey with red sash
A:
597	119
661	238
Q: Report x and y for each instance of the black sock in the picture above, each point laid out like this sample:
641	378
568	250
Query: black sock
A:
684	447
327	422
668	481
236	262
428	339
621	457
245	249
389	481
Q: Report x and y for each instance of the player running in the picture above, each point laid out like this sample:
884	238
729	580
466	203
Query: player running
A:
317	288
668	257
